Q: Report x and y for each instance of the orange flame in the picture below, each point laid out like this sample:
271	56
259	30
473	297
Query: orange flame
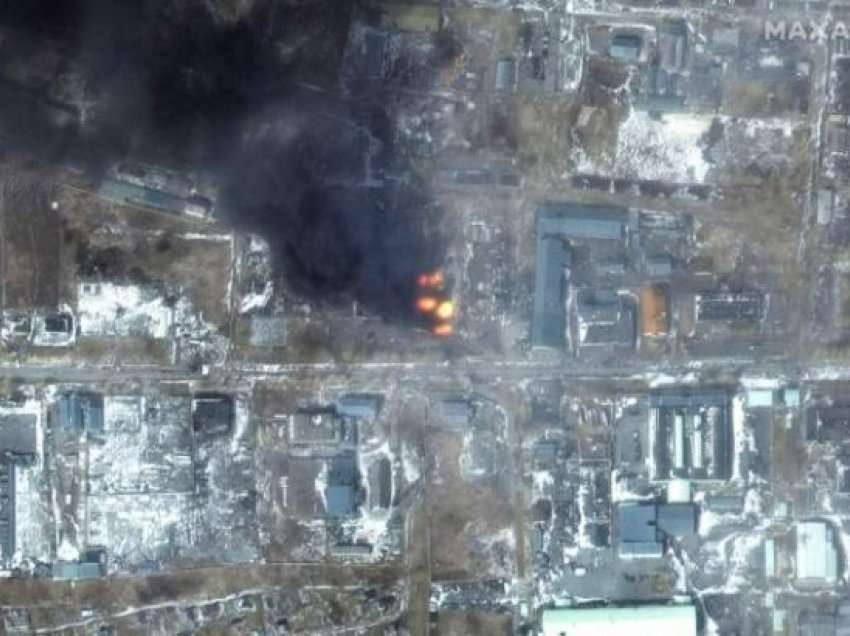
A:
434	279
445	310
443	330
426	304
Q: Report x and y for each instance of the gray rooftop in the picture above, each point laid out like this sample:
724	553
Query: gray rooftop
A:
557	223
365	406
577	221
676	519
549	320
637	523
17	434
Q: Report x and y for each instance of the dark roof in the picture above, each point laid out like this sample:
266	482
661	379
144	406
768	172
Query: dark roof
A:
576	220
342	470
17	434
660	265
557	223
76	412
637	523
677	519
549	320
341	492
212	413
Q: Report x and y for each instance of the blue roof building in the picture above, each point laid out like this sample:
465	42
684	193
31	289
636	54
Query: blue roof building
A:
343	481
644	527
363	406
128	194
557	224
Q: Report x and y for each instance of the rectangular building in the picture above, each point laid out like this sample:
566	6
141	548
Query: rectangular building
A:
657	620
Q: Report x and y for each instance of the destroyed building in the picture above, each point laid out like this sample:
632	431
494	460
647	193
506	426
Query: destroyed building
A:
730	306
212	413
605	318
319	426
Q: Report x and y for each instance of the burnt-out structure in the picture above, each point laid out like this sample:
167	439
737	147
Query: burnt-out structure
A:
741	306
691	434
828	421
212	413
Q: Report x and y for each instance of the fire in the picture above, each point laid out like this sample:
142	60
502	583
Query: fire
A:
433	302
443	330
445	310
433	279
427	304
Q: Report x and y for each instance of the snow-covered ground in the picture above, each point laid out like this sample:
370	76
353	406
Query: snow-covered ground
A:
648	148
110	309
33	523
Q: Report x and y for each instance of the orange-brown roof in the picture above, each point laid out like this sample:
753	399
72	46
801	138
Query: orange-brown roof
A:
653	311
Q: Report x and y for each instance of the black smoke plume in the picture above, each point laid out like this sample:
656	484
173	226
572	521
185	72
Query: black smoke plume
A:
252	96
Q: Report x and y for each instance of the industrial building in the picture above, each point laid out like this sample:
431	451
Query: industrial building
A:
123	193
359	406
746	306
549	324
691	434
342	492
557	225
657	620
816	553
644	528
78	412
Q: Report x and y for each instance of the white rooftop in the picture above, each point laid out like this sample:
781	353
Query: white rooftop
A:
817	555
655	620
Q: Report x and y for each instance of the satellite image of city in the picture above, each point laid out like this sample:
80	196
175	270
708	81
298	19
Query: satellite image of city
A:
425	317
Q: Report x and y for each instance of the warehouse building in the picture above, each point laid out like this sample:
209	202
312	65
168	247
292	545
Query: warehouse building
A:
559	224
691	434
658	620
816	553
644	528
